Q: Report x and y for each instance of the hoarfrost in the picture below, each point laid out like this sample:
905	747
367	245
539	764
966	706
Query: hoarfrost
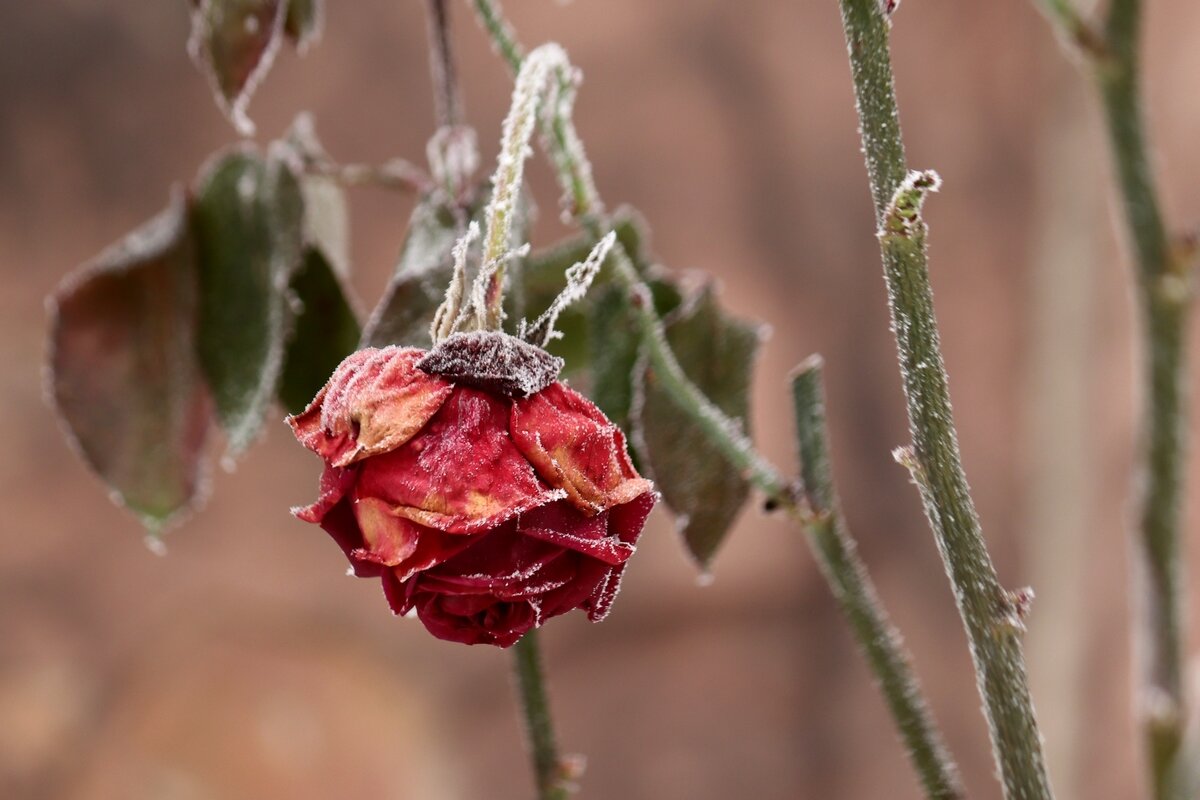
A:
494	361
579	278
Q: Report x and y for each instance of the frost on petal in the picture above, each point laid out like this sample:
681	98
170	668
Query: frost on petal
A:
334	513
574	447
395	541
493	361
461	473
564	525
375	402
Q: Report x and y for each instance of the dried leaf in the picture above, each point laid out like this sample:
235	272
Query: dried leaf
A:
326	331
303	23
705	492
123	370
233	42
249	226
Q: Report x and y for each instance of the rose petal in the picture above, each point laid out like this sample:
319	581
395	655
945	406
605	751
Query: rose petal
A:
462	473
333	512
627	522
573	446
375	401
564	525
398	542
497	623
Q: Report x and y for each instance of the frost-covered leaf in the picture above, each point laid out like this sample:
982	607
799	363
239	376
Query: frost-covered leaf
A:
326	213
717	353
614	340
326	331
303	22
249	226
123	370
233	42
419	283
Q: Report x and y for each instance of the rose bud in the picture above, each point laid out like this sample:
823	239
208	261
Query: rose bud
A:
487	496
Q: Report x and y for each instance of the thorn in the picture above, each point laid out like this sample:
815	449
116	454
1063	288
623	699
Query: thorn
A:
1015	608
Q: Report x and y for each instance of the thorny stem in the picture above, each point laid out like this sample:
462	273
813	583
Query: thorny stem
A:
882	644
1164	293
548	768
991	615
446	97
853	586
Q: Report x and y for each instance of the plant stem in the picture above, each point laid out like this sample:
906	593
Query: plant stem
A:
446	98
1164	293
881	643
990	614
539	728
848	577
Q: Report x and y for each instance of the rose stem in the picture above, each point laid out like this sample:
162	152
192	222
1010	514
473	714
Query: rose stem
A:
846	574
990	615
539	728
1163	278
928	755
446	97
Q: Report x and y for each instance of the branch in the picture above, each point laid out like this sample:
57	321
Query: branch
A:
446	98
853	585
991	616
846	574
1163	276
550	772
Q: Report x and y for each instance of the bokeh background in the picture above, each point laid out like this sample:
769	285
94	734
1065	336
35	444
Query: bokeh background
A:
244	664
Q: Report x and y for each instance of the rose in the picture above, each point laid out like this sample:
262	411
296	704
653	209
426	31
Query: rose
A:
486	495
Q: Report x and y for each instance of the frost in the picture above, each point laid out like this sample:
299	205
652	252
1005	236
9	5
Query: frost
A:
155	544
453	153
447	317
903	215
579	278
494	361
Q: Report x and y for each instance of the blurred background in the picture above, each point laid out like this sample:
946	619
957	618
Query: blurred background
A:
244	664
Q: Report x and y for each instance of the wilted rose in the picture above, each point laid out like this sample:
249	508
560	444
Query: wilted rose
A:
488	496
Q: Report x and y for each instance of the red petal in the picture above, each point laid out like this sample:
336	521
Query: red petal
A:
462	473
333	512
375	401
573	446
564	525
398	542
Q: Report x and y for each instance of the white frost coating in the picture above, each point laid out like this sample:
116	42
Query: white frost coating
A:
453	153
490	274
155	545
903	214
579	278
536	86
448	312
234	107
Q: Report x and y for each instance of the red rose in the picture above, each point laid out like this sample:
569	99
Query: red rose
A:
488	496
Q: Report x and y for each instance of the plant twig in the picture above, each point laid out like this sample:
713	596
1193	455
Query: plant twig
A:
447	100
933	764
1163	276
991	615
881	643
548	768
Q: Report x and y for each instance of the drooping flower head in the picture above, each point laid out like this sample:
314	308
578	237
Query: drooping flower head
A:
486	495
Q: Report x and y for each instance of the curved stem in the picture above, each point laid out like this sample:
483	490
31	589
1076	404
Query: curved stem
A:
1164	292
833	549
991	616
446	98
539	728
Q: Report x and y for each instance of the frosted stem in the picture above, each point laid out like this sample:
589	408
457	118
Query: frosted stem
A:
574	174
533	88
881	643
990	615
548	769
1163	276
446	98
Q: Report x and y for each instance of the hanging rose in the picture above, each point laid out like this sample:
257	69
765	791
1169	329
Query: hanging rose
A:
488	496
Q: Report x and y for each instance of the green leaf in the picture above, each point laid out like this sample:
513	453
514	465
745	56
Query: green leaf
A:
705	492
233	42
614	343
249	226
303	22
123	371
326	331
416	290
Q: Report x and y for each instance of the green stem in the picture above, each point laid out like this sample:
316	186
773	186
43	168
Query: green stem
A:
539	728
1164	292
447	101
881	643
848	578
990	615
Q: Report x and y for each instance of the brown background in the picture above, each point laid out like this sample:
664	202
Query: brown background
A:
244	665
